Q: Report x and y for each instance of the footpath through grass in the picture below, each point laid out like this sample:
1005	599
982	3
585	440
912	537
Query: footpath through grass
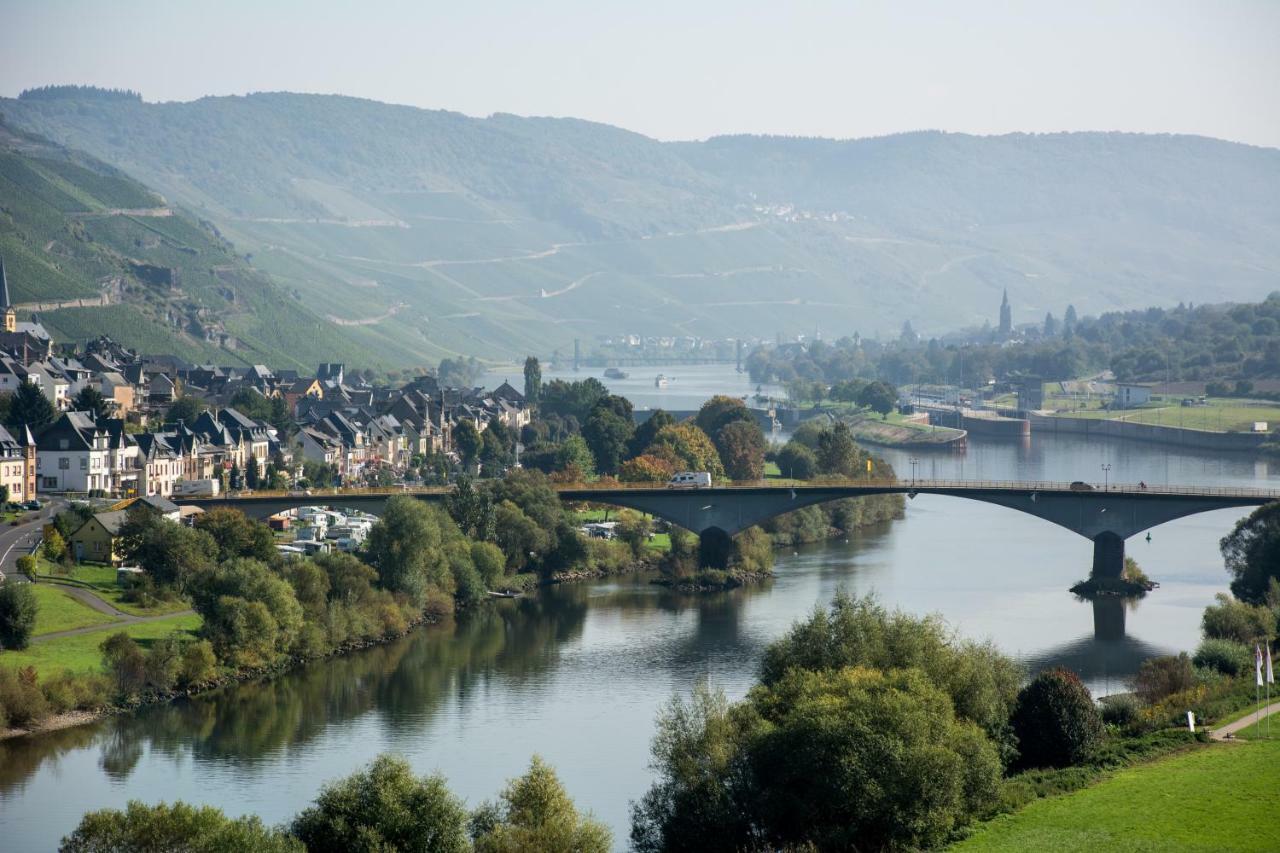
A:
1219	797
101	581
58	611
80	653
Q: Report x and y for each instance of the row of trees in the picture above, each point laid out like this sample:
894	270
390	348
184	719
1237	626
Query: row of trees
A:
384	807
1190	343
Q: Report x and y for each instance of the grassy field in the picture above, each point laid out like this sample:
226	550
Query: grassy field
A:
1220	415
79	653
58	611
1221	797
101	581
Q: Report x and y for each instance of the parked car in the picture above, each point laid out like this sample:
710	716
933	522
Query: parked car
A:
33	504
1081	486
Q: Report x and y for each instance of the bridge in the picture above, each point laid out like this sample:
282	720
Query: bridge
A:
1107	516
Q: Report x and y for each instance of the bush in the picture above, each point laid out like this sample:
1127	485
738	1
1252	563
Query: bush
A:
125	661
21	701
175	827
1159	678
1231	619
384	807
199	664
1120	710
1225	656
26	565
79	692
18	608
1055	721
536	813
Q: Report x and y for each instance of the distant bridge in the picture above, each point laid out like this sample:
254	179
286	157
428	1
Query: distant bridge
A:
1106	516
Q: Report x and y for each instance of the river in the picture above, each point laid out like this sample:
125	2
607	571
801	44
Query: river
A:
577	673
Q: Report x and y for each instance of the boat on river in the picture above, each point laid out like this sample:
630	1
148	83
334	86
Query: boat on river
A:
660	381
615	373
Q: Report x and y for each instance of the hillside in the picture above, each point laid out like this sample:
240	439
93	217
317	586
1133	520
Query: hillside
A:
430	233
91	251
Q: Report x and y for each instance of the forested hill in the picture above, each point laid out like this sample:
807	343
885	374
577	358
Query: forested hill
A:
433	233
90	251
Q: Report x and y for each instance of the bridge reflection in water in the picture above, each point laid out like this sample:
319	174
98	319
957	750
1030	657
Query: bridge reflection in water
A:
1105	514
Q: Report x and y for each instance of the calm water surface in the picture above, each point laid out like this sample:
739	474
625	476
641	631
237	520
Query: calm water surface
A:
578	672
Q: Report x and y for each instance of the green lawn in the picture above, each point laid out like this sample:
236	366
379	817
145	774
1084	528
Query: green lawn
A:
1262	730
1221	415
58	611
101	581
1220	797
79	653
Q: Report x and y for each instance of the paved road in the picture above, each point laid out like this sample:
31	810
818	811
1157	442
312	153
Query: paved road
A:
1231	728
16	541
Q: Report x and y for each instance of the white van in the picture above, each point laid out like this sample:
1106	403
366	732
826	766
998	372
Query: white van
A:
690	480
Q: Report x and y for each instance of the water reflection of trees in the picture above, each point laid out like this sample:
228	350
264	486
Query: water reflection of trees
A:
404	683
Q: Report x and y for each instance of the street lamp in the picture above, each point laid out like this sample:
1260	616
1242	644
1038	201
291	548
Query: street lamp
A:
1106	476
914	463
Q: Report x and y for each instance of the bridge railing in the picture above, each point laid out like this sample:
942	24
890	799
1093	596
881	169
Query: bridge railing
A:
918	484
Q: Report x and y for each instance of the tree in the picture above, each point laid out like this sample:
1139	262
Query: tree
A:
407	547
471	509
30	407
170	553
251	614
467	441
1239	621
741	446
608	435
859	632
532	381
797	461
54	546
1069	319
839	759
691	447
236	478
645	469
90	399
879	397
185	409
837	452
195	829
237	535
645	432
1056	721
384	808
536	813
251	472
1252	553
572	399
1050	325
719	411
575	454
18	607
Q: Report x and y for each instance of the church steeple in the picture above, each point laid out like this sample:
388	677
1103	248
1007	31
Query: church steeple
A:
10	315
1006	315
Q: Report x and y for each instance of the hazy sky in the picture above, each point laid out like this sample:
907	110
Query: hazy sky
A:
694	68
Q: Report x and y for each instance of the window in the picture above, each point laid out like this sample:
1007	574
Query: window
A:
51	482
63	444
84	463
63	463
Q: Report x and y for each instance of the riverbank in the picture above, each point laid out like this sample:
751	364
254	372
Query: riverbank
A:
870	429
81	716
1196	439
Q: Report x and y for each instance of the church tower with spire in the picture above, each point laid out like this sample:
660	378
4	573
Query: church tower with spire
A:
1006	316
10	315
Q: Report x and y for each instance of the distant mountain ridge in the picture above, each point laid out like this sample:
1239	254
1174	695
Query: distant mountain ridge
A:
93	252
433	233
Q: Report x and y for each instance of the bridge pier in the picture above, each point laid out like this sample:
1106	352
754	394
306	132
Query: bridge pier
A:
1108	556
714	548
